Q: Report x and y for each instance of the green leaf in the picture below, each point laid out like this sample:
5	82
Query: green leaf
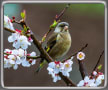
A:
22	15
43	39
99	67
54	24
25	28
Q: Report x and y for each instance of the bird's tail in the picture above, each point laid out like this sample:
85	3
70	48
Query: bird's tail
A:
42	61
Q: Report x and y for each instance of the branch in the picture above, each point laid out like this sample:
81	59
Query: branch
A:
38	44
82	69
75	53
33	57
98	60
62	12
45	55
57	19
9	30
67	80
28	57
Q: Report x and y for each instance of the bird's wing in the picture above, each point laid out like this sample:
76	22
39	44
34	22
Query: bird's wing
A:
51	41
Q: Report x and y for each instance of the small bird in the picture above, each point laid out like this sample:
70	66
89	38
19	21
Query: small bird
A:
58	43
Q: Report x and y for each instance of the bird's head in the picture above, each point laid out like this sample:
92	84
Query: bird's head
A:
62	27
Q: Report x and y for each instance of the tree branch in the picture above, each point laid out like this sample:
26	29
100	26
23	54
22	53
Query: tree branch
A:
45	55
9	30
75	53
62	12
94	69
28	57
57	18
33	57
82	69
38	44
49	59
98	60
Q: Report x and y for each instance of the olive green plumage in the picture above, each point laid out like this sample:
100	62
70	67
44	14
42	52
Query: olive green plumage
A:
58	43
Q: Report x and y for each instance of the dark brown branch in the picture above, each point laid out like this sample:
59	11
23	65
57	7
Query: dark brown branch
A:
62	12
57	18
82	69
78	51
9	30
75	53
33	57
67	80
45	55
98	61
28	57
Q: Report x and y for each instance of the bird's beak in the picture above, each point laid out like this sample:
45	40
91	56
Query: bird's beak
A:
66	28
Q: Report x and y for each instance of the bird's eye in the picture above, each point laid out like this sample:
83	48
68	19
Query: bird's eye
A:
62	25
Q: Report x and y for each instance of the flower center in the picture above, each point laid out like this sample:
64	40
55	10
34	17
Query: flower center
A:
57	66
13	58
66	65
80	55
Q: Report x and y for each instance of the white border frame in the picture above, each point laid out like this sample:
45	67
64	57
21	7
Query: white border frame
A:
23	1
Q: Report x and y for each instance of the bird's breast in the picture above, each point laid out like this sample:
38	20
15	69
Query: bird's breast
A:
62	47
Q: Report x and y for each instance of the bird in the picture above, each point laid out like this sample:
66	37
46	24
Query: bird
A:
58	43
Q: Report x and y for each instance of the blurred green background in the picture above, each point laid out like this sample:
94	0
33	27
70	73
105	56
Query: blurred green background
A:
86	26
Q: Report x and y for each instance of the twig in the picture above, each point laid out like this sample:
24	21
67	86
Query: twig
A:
61	14
67	80
57	18
98	62
75	53
33	57
45	55
82	69
9	30
28	57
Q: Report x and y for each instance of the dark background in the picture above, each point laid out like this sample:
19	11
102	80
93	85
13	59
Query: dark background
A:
86	26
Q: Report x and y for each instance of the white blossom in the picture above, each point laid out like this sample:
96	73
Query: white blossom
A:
7	23
94	82
13	37
80	55
56	78
67	67
54	68
6	63
13	58
54	75
25	63
94	73
33	54
19	41
99	80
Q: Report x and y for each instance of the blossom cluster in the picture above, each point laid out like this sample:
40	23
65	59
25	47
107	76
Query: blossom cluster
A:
8	23
56	67
13	58
19	41
92	81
